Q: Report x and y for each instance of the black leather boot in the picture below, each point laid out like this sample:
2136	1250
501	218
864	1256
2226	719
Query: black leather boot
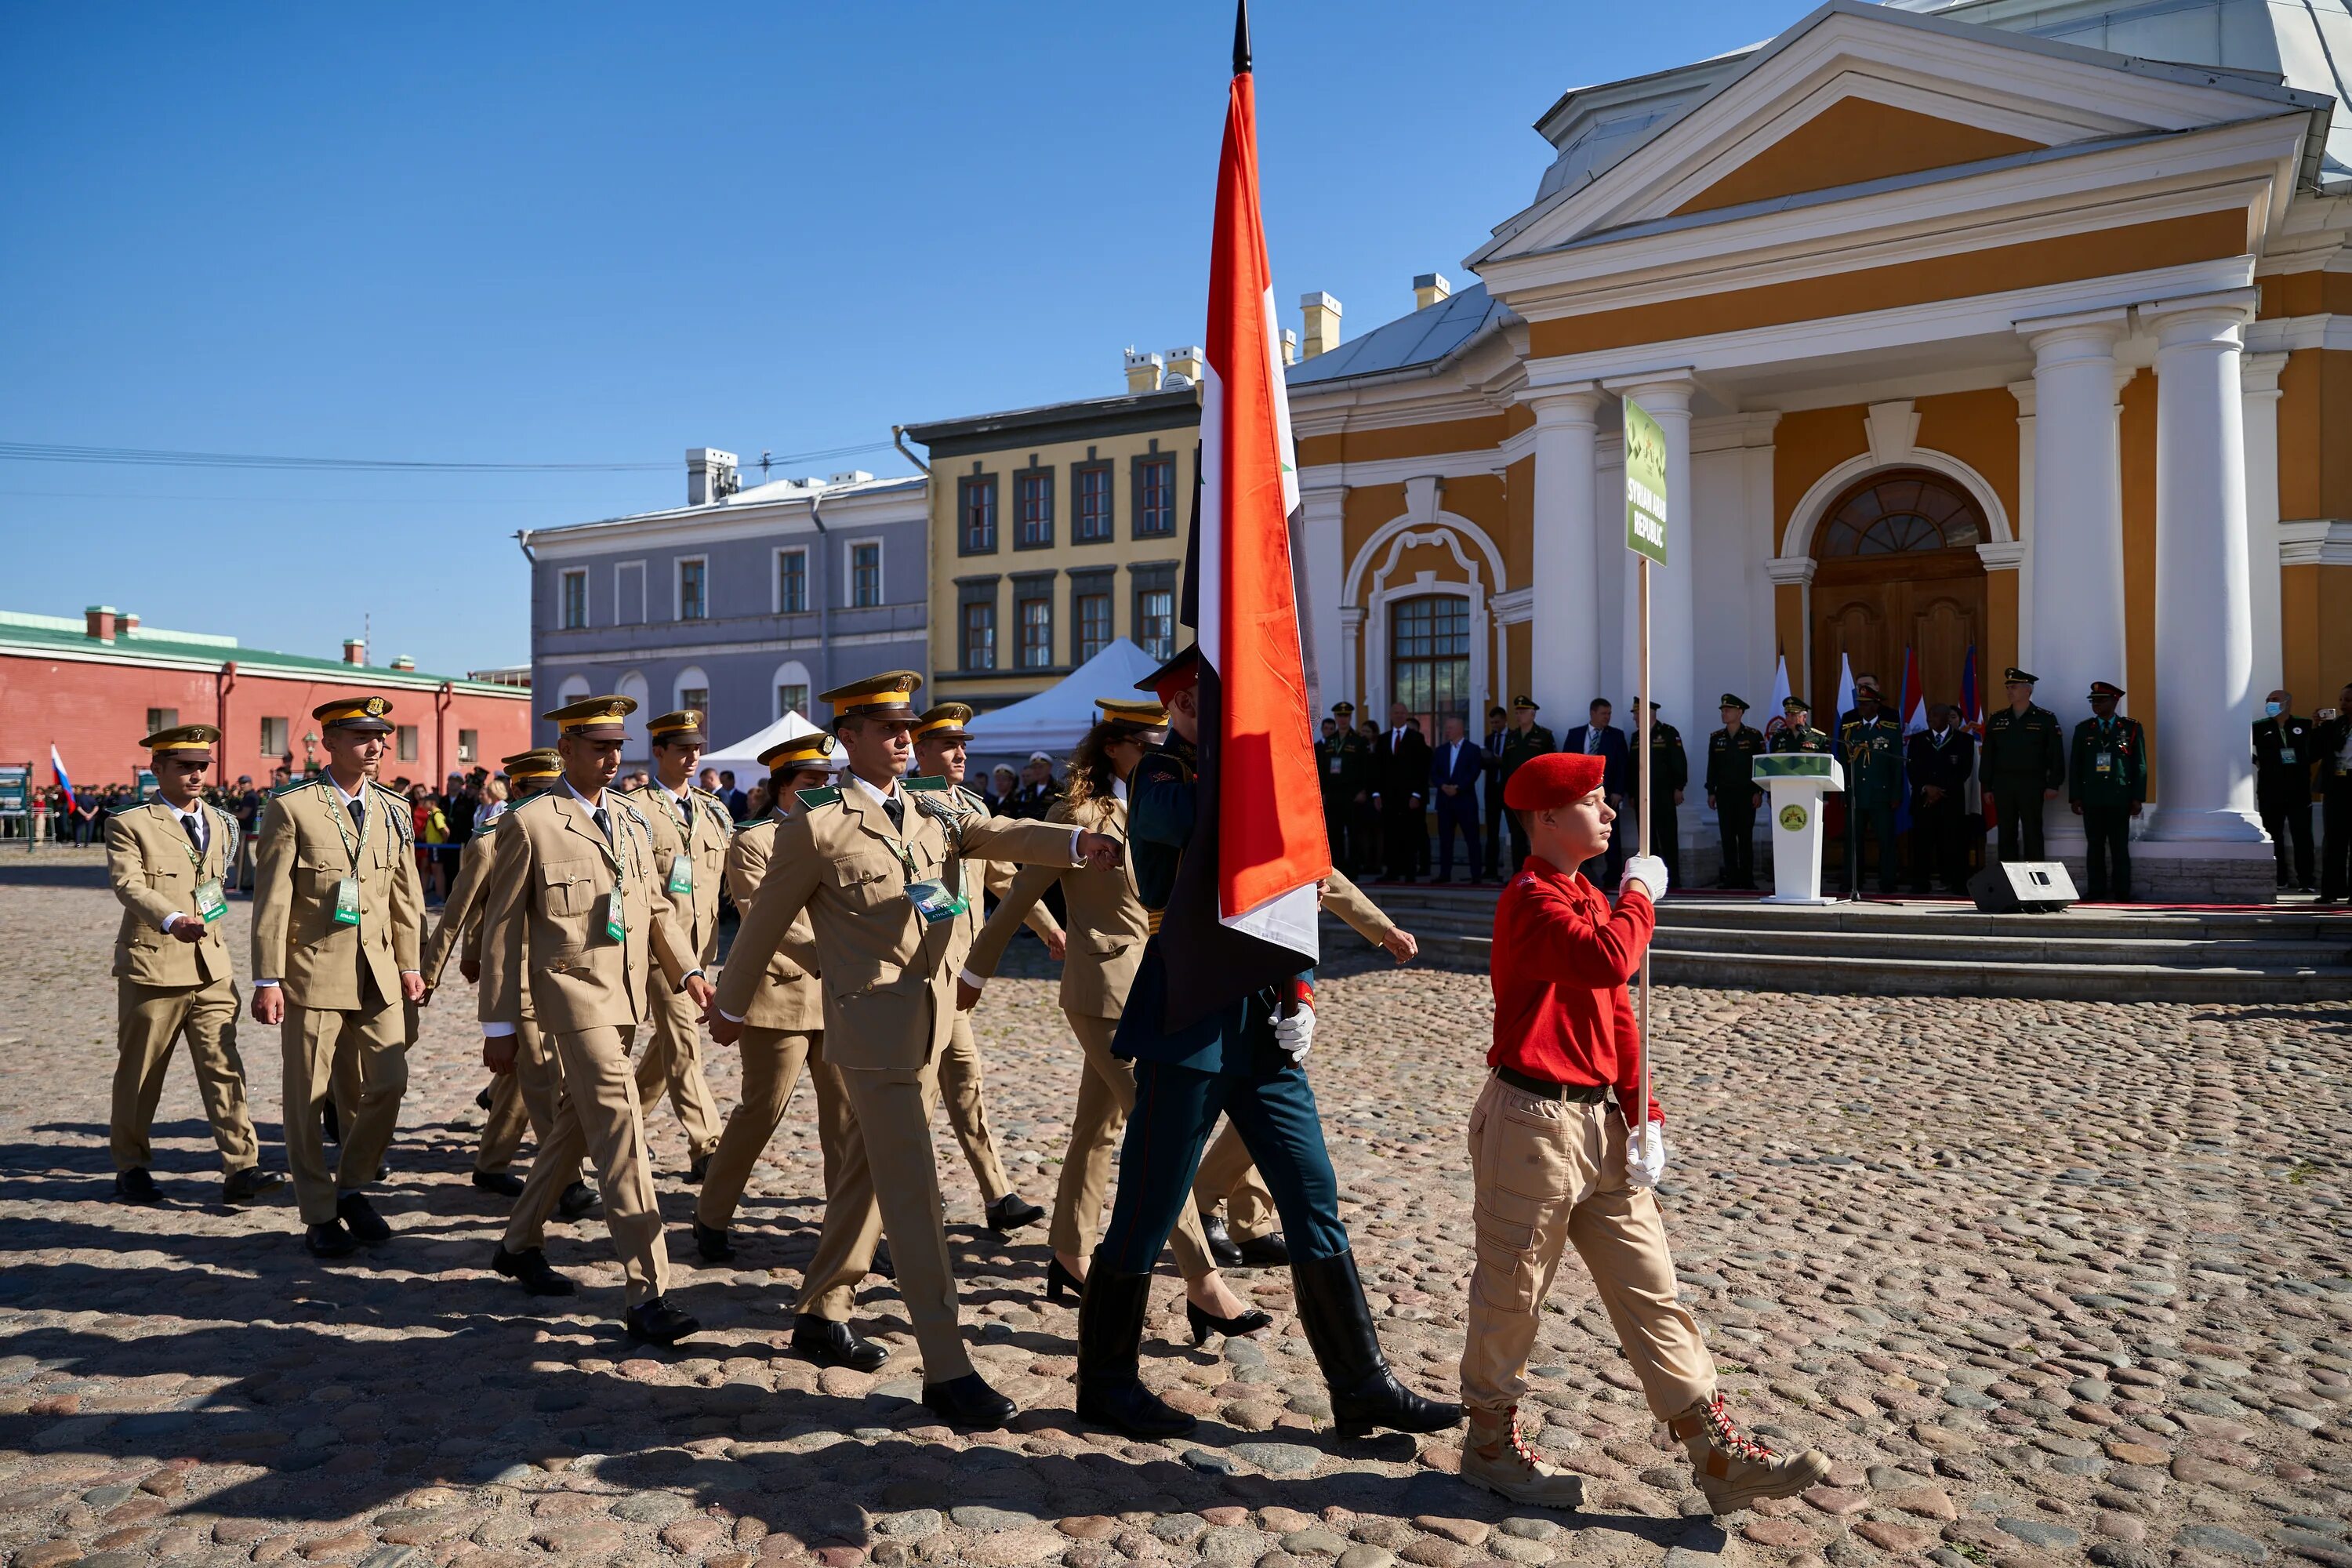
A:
1364	1393
1110	1345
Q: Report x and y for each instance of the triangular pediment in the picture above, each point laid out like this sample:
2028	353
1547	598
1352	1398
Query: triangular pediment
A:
1854	140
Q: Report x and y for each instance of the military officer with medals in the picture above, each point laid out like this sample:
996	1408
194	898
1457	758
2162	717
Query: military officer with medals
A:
338	918
940	741
875	863
1870	743
1526	740
1731	753
690	828
1664	798
2020	765
168	860
528	1097
1796	733
2107	785
579	918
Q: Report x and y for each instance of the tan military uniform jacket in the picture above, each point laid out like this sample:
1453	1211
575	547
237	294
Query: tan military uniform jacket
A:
154	867
704	842
303	848
997	878
1346	901
789	996
888	982
551	879
1108	924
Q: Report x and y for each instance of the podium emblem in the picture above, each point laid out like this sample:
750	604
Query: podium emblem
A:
1792	817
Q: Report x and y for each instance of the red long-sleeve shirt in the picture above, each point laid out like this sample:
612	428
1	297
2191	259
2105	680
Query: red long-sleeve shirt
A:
1560	960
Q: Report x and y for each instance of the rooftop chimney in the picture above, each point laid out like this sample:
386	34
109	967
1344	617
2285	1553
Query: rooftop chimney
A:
1322	315
404	662
710	476
97	621
1189	362
1429	289
1289	346
354	650
850	476
1143	372
126	624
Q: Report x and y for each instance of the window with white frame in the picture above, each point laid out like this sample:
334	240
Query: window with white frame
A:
693	588
792	683
865	573
405	742
792	582
276	737
573	599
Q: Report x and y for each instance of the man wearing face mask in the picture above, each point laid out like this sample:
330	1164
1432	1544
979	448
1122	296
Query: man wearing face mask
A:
2285	749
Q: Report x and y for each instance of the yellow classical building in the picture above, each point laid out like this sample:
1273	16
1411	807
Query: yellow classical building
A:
1989	324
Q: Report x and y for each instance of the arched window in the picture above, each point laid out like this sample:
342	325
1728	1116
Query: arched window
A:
1898	512
791	684
1429	659
692	690
575	687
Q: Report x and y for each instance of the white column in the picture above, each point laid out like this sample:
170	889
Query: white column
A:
2204	610
1673	621
2259	377
2023	392
1322	546
2077	541
1564	628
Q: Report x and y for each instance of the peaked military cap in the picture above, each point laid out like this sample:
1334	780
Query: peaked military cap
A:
1179	674
814	749
594	717
540	762
2013	675
1731	702
1130	714
676	729
945	721
1792	703
1342	710
889	695
365	714
2106	689
1528	705
1868	683
182	737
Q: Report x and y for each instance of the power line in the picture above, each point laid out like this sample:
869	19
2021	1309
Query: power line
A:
144	457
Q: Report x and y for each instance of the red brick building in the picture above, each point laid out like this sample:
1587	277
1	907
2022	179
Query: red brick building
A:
94	687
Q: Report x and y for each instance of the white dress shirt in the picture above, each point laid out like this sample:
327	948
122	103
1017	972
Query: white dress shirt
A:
204	843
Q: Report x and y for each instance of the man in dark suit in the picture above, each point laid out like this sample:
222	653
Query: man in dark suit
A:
2285	749
1498	727
1941	757
1455	769
1399	778
1602	739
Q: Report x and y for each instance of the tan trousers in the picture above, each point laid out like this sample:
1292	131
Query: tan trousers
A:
598	1117
147	1019
1106	1099
1548	1173
672	1065
772	1060
959	1085
1228	1173
525	1100
367	1048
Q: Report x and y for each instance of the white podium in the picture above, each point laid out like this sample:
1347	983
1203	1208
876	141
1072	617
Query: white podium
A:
1797	781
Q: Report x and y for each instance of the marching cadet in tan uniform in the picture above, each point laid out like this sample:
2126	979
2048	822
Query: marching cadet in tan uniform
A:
782	1033
1246	1238
875	863
527	1098
168	860
690	828
576	893
939	741
338	917
1109	925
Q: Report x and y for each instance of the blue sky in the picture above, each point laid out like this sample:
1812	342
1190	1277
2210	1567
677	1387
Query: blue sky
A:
606	234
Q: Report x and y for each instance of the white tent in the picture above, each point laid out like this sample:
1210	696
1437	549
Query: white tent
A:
1056	718
745	755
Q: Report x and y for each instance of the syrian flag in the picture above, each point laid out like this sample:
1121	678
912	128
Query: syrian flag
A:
1247	907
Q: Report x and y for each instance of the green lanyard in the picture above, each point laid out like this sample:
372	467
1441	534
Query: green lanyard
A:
210	901
617	924
341	814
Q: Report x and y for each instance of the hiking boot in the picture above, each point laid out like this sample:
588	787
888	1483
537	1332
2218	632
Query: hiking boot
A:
1734	1470
1497	1458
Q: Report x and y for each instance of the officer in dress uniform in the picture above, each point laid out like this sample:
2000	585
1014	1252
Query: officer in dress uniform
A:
2020	765
1870	743
168	860
579	917
1666	793
940	737
338	918
2107	786
1731	753
529	1097
1527	739
2285	745
691	827
1797	731
876	864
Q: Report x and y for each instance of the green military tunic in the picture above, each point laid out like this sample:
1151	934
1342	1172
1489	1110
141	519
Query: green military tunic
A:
1800	738
1731	786
2022	757
1673	773
1871	751
2108	775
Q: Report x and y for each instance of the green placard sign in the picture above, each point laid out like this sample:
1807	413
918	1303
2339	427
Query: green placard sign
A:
1645	484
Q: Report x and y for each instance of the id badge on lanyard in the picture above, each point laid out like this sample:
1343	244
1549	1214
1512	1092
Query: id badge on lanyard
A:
681	873
935	903
347	901
616	923
210	902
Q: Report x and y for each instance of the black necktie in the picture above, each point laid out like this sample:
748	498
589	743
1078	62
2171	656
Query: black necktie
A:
603	825
895	808
359	816
195	831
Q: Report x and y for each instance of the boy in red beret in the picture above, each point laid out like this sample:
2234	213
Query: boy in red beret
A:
1549	1155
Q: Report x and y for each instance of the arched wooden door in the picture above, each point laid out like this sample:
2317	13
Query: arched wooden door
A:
1899	569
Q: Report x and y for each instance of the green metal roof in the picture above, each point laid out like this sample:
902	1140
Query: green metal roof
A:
55	635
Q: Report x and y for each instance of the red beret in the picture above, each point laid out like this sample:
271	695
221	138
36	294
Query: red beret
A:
1554	779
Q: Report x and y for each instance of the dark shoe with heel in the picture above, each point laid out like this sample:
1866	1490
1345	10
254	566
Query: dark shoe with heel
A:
713	1244
829	1343
1267	1251
1222	1250
531	1269
329	1239
1205	1322
968	1402
1365	1395
366	1225
135	1185
1061	1282
243	1186
656	1322
1111	1350
577	1201
505	1184
1011	1212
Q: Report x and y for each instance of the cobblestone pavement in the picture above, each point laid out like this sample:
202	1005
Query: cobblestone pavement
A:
2045	1280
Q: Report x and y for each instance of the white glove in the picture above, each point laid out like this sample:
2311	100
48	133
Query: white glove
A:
1648	870
1295	1033
1646	1155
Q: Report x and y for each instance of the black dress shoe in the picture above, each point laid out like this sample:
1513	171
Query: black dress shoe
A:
506	1184
355	1211
969	1401
250	1183
1205	1323
1059	1280
135	1185
576	1201
697	1168
482	1100
713	1243
1011	1212
1220	1242
329	1239
1267	1251
659	1323
531	1268
829	1343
